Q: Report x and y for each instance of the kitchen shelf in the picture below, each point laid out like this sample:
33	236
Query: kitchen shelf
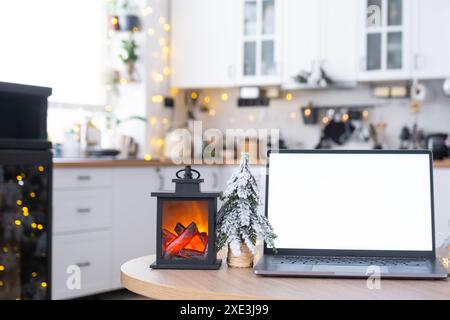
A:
334	86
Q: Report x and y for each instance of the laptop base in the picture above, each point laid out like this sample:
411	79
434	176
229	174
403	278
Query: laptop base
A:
364	267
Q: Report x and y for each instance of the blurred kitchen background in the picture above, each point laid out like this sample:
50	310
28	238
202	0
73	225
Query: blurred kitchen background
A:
126	73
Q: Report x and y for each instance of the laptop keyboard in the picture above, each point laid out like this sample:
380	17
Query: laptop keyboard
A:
363	261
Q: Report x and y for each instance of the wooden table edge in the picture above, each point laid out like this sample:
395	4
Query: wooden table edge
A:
166	292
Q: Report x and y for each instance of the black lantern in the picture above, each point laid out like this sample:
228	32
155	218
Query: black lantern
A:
186	225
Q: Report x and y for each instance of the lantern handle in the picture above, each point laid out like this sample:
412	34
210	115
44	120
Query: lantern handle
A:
187	173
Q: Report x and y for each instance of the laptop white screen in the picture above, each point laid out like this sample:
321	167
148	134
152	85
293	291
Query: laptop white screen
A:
342	201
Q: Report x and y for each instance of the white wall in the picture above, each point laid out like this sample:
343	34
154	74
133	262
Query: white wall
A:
434	116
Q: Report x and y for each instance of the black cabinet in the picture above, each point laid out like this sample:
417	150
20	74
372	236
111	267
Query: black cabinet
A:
25	193
25	224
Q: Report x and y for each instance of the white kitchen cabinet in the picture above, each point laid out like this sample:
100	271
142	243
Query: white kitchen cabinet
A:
431	32
385	40
82	215
339	39
320	31
301	32
442	204
259	42
80	178
101	221
203	40
81	210
87	255
134	216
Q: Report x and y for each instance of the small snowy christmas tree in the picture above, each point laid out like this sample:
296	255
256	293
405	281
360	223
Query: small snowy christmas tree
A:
239	219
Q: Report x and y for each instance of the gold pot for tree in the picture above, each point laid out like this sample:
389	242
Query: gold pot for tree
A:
245	260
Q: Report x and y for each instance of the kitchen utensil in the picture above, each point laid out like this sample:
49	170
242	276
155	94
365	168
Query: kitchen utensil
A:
339	132
436	142
446	87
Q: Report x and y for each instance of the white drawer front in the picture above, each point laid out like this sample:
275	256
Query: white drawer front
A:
81	210
91	252
81	178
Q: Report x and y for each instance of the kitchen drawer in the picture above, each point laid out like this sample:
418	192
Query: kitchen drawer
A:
81	178
77	210
91	252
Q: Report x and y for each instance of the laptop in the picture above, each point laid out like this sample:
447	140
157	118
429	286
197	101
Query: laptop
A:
351	214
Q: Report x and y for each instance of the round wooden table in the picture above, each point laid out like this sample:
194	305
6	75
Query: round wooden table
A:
231	283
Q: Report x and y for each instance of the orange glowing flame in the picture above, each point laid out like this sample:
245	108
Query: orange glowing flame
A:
185	213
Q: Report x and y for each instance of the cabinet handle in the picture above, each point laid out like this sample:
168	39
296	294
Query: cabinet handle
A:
417	61
215	180
83	210
84	178
231	71
362	63
161	181
83	264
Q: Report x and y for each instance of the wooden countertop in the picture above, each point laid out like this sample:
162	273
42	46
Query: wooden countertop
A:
442	164
235	283
99	163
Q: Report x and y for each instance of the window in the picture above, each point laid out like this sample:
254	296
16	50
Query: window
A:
54	43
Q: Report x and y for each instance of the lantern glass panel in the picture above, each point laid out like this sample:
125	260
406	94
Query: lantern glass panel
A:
185	230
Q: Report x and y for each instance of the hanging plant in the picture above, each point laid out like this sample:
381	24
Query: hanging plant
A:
129	56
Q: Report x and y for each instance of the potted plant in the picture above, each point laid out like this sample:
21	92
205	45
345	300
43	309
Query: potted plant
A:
129	56
240	222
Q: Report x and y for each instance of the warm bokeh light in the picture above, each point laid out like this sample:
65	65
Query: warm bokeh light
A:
345	117
157	99
160	142
166	71
153	121
307	112
147	11
365	114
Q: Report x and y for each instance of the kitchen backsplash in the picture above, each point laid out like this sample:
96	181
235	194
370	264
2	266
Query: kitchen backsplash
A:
286	115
